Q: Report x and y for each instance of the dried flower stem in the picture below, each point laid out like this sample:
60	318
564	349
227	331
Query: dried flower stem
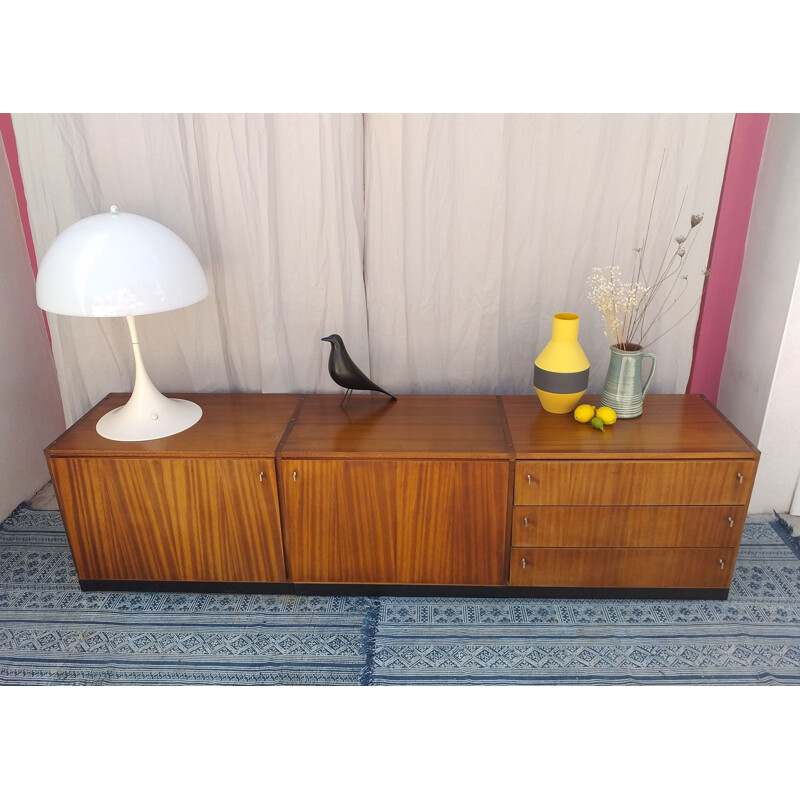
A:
639	276
663	307
677	322
630	310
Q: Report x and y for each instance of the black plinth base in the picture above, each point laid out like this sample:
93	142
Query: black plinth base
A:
403	590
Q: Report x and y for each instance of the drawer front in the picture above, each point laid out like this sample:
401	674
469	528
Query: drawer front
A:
620	483
643	567
632	526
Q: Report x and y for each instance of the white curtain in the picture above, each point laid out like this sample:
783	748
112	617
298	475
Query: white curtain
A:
439	246
272	206
481	227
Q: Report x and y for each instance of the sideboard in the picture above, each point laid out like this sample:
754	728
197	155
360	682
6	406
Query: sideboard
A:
431	494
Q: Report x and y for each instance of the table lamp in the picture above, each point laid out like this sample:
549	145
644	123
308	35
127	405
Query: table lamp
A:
124	265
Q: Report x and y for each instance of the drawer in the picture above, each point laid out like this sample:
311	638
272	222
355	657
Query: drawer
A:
632	526
620	483
642	567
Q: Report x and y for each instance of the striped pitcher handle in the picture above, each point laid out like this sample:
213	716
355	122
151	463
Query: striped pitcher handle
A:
652	372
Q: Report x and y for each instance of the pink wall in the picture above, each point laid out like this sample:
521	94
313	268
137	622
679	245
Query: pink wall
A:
31	415
727	253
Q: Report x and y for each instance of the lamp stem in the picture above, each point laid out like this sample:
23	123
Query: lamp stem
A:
142	385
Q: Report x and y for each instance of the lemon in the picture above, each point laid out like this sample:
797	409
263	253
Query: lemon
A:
608	415
584	413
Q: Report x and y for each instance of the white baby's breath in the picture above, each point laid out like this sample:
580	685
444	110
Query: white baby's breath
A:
617	301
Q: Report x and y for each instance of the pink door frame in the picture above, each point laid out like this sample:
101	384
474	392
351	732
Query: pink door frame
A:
10	145
727	253
725	260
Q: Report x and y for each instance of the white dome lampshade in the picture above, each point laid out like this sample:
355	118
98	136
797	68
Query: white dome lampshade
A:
123	265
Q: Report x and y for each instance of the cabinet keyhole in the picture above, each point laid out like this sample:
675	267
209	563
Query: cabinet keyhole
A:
294	475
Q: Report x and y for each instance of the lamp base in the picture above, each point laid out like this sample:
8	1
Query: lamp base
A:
159	417
147	414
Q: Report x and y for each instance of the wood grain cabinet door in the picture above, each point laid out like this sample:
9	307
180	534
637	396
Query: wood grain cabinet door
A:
451	522
171	519
339	520
395	521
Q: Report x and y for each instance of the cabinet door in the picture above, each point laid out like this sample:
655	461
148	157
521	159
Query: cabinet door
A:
451	521
171	519
339	520
401	521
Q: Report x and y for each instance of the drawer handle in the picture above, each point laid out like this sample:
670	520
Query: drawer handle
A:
524	563
525	521
721	564
730	522
739	477
529	478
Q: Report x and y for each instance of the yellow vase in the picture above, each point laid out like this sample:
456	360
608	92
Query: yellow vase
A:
561	370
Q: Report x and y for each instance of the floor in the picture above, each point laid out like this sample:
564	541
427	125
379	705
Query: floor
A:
44	499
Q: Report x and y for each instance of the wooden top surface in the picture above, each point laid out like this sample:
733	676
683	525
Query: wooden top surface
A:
232	425
419	426
414	426
672	426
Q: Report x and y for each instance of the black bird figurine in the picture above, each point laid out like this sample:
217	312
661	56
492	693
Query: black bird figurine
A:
344	371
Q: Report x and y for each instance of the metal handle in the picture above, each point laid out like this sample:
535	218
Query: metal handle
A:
525	521
730	522
261	476
529	478
524	563
739	477
294	475
721	564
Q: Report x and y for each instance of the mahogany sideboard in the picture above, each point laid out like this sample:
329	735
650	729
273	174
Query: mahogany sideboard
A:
431	495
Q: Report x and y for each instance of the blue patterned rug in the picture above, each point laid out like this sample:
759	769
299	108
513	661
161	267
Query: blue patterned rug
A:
52	633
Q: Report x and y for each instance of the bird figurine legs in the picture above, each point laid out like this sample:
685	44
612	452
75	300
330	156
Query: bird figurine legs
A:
346	399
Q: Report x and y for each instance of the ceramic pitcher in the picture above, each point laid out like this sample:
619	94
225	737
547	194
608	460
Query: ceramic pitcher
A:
623	390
